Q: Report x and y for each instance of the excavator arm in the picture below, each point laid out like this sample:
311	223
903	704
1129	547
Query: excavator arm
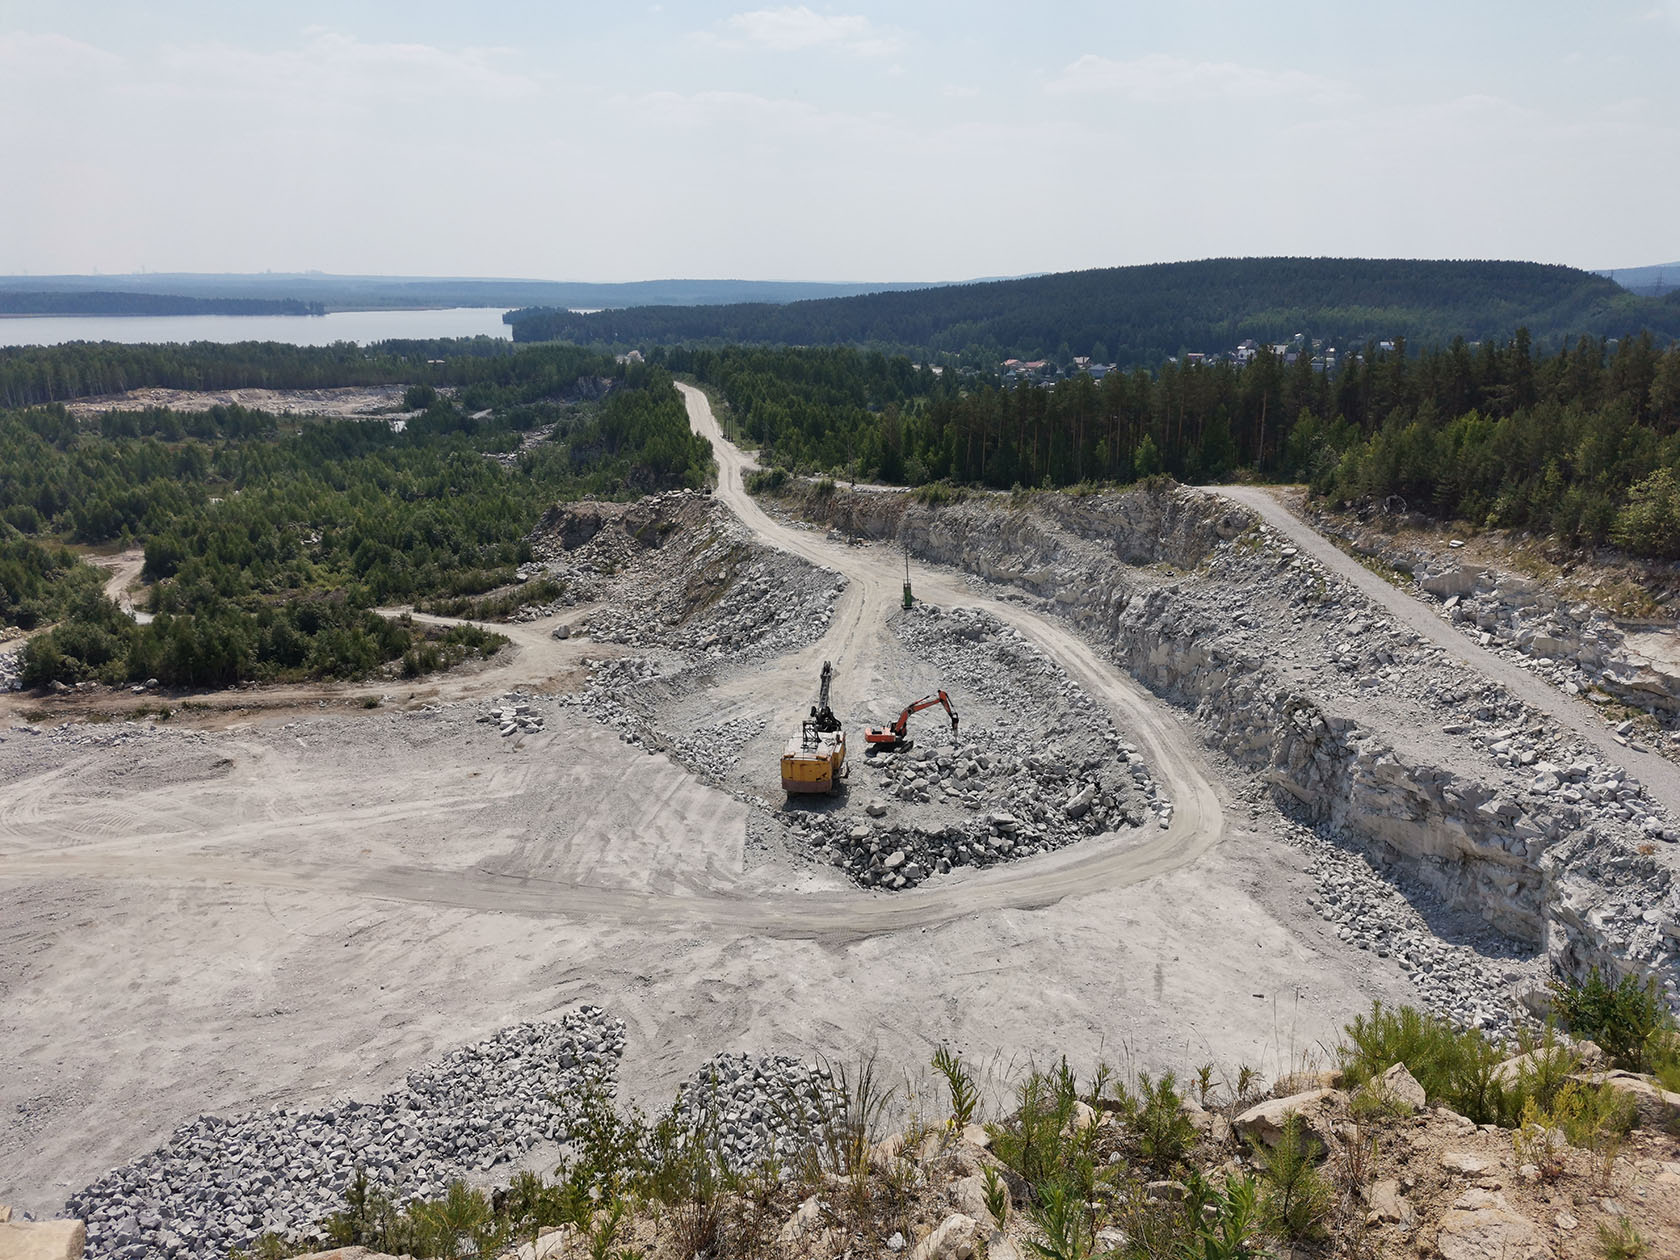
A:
821	714
894	735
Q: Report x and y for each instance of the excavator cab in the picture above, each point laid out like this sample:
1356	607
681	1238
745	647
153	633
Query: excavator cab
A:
895	737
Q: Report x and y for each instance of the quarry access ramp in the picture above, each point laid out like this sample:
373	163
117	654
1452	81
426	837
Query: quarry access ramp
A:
1660	777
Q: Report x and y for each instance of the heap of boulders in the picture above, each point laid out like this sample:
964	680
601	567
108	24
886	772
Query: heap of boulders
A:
221	1183
757	1110
678	571
513	715
1463	970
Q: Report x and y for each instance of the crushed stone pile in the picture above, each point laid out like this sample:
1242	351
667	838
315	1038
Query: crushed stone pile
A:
1476	978
221	1183
761	1109
678	571
616	696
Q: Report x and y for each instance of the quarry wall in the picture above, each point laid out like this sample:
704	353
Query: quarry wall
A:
1567	856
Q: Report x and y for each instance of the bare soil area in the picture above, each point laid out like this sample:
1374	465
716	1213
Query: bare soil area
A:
343	402
267	910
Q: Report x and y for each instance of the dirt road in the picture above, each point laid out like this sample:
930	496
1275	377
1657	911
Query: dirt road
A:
1660	776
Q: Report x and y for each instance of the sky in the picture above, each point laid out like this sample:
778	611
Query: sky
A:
568	140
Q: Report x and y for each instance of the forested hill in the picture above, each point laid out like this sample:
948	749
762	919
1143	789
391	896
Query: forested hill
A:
101	302
1141	315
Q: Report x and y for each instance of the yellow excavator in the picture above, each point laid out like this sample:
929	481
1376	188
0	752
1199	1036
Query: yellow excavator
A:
815	759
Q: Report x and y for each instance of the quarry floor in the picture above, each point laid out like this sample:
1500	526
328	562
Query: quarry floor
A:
288	905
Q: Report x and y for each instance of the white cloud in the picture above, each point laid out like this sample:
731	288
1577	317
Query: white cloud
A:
1161	79
1665	11
22	53
331	65
794	29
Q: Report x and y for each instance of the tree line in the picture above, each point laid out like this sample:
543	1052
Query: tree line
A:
268	542
100	302
488	371
1583	443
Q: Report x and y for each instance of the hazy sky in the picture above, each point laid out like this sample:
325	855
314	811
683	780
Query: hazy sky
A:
854	141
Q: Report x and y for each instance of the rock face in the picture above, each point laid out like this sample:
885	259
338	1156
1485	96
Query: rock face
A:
1652	1104
952	1239
1399	1088
1265	1121
1481	1226
1296	675
1388	1204
42	1240
1574	646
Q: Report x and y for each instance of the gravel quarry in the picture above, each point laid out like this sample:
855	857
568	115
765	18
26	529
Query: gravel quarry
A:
1210	795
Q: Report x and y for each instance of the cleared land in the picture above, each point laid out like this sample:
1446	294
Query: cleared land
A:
289	909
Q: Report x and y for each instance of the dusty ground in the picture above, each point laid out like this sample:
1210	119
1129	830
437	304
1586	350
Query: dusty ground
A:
353	400
274	910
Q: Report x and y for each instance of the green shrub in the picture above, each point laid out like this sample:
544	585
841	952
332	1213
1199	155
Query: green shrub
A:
1164	1133
1295	1197
1649	524
771	481
1621	1241
1226	1223
1039	1141
1063	1221
1628	1019
959	1083
1456	1065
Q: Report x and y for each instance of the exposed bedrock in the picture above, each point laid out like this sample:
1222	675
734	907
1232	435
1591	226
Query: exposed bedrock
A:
1358	725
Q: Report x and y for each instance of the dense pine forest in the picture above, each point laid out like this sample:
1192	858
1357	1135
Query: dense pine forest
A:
1583	443
270	542
488	371
1139	316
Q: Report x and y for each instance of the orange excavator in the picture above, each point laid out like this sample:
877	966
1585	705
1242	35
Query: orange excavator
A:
893	738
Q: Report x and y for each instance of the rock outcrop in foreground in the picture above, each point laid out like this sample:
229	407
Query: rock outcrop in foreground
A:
775	1158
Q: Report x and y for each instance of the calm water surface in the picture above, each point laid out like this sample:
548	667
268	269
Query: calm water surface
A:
298	330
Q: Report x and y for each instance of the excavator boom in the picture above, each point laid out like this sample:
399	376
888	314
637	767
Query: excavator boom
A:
894	736
815	759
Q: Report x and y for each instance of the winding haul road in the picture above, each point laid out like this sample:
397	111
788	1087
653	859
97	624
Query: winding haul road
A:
859	621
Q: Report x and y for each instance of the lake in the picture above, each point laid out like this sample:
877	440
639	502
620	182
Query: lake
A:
361	327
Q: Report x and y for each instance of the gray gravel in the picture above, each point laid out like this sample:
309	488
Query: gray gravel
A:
763	1108
220	1183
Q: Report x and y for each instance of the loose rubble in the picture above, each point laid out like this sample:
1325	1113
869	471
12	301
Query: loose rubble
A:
513	715
1476	980
1565	641
758	1110
220	1183
1444	777
677	571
